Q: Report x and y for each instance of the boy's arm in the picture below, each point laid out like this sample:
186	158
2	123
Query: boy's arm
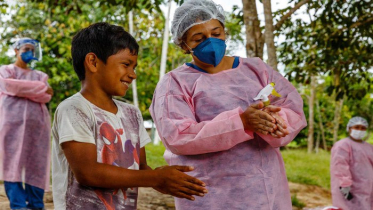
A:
143	163
82	158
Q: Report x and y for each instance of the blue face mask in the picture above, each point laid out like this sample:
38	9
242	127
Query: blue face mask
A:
28	56
210	51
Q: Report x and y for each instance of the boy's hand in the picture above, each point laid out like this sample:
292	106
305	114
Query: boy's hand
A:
49	91
176	183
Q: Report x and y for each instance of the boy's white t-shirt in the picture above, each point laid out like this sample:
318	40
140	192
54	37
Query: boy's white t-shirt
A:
118	138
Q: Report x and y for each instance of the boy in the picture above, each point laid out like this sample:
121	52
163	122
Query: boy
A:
98	149
24	128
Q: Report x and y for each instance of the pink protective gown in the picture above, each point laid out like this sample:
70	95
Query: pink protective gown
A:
352	165
198	118
24	126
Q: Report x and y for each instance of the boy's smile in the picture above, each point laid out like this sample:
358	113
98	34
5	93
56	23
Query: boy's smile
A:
118	73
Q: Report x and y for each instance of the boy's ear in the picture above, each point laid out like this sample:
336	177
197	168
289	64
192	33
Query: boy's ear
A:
90	62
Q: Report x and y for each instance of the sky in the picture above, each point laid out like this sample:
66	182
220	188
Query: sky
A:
228	5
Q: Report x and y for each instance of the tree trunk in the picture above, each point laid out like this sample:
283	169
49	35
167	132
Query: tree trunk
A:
269	36
321	125
317	143
254	38
338	106
337	117
311	124
162	72
134	85
165	43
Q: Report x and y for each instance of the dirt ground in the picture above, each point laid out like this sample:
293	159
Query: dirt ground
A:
150	199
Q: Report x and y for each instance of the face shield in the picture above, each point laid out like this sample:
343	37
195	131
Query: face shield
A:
29	49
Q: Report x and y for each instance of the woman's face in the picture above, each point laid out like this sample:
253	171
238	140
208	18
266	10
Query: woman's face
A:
24	48
198	33
358	127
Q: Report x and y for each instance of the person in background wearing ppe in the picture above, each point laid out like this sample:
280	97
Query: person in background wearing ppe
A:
24	128
207	117
351	169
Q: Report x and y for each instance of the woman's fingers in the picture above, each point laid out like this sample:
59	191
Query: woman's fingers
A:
274	135
279	120
272	108
279	133
263	131
265	116
267	128
259	105
282	129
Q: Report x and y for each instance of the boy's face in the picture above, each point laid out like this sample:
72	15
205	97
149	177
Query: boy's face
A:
118	73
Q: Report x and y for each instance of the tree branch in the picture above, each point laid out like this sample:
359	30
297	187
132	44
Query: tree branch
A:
355	25
287	15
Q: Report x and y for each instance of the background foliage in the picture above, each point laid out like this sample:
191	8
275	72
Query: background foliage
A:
335	45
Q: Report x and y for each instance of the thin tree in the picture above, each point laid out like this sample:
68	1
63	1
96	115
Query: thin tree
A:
134	85
254	34
162	72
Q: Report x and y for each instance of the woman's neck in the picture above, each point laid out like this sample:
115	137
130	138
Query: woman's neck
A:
226	63
360	141
21	64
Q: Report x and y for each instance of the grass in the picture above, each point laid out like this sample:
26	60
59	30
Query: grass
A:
154	155
297	203
304	168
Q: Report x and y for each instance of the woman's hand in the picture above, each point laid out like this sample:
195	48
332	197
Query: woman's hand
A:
280	123
257	120
49	91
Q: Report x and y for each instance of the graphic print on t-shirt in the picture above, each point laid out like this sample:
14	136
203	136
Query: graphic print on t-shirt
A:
118	152
118	144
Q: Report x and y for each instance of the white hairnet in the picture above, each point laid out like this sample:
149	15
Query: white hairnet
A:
357	121
193	12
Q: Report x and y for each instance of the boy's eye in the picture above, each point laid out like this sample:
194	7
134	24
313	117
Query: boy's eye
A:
126	64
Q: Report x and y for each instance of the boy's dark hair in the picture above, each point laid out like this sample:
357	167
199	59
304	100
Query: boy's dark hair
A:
103	40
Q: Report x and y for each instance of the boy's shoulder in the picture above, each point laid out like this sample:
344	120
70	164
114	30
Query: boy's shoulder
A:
75	101
126	106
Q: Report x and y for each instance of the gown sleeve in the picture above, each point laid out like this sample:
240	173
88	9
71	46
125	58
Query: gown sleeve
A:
33	90
179	130
340	167
291	104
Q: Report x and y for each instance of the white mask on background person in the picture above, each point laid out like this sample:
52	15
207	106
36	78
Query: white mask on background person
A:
358	134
